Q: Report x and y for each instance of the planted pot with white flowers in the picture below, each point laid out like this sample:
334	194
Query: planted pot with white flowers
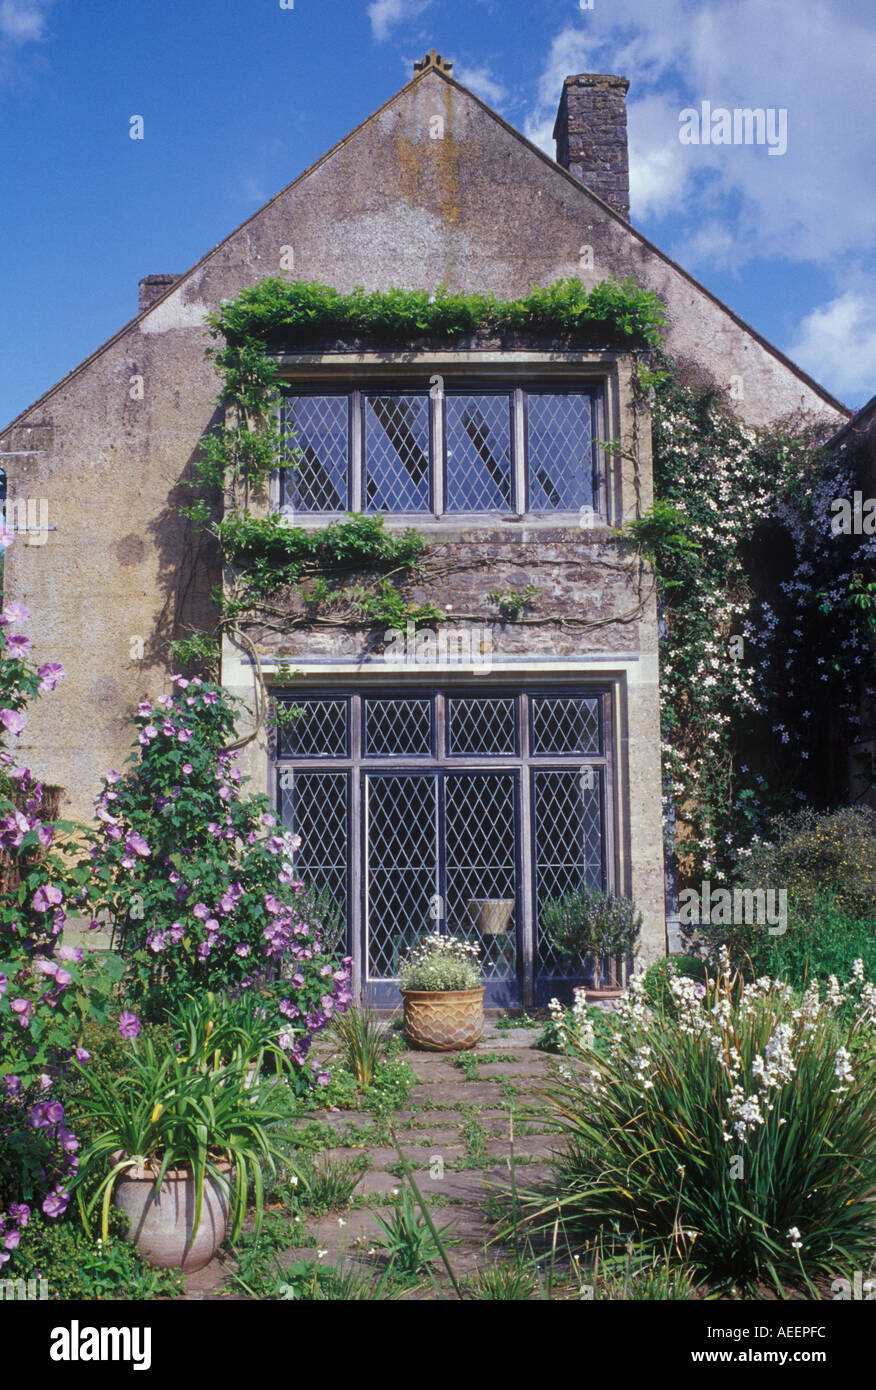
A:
440	982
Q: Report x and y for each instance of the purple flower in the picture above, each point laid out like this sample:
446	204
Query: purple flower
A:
56	1203
22	1007
3	984
50	673
136	844
20	1212
15	613
241	949
6	538
144	709
82	1055
201	910
323	1078
129	1024
176	932
17	646
12	720
46	896
12	1239
187	768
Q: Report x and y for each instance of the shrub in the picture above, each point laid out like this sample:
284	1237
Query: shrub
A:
440	963
827	943
813	853
198	879
736	1139
75	1267
589	920
46	988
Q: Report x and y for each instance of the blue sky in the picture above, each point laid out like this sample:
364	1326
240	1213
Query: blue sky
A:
238	96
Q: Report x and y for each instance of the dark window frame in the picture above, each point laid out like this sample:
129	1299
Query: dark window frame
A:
520	467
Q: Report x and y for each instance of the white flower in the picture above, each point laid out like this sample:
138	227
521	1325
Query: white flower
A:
794	1238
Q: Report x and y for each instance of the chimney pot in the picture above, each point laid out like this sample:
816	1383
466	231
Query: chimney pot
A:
591	136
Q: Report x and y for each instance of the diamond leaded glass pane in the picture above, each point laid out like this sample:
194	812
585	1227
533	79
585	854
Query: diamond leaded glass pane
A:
481	875
315	806
397	452
567	810
398	728
320	728
477	725
402	849
319	432
477	432
566	724
559	439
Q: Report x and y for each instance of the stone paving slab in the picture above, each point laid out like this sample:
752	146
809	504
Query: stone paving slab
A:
453	1093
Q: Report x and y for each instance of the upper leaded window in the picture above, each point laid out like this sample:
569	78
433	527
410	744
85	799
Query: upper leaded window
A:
465	450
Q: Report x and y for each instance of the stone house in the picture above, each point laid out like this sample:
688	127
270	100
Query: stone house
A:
464	787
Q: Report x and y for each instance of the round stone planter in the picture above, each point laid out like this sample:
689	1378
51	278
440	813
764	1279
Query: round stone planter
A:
160	1223
448	1020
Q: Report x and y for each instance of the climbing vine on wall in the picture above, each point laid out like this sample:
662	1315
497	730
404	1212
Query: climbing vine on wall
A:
763	645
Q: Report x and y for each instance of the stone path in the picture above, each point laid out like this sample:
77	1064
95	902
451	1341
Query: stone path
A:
455	1132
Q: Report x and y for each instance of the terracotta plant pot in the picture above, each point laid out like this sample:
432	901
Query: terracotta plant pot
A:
160	1223
449	1020
606	992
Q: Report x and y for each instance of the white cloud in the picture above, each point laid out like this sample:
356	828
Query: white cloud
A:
24	21
386	14
836	343
813	203
482	82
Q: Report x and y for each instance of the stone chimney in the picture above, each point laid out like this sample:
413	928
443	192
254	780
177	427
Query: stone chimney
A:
151	286
591	136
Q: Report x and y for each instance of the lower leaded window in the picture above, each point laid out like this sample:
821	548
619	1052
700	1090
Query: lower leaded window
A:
453	811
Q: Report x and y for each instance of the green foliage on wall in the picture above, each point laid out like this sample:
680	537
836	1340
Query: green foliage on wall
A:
300	310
